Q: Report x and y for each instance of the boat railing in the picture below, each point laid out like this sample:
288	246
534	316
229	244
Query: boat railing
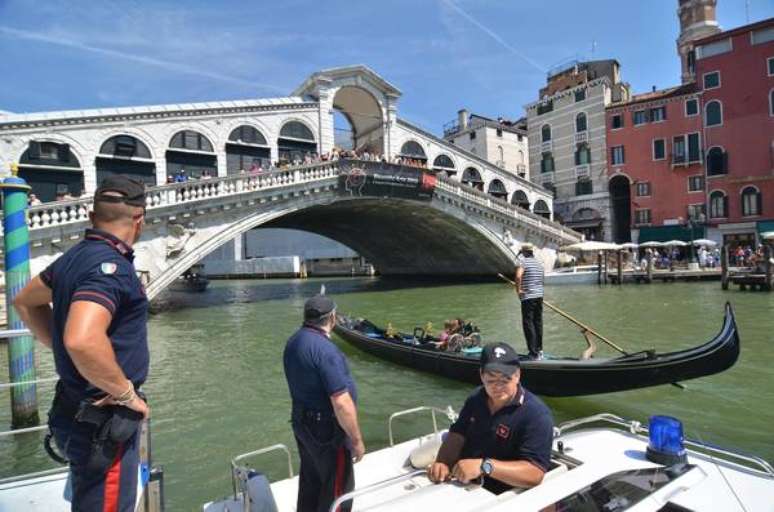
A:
636	428
375	487
273	448
448	412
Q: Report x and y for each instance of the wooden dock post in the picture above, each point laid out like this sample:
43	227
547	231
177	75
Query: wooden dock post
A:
724	268
606	255
599	267
620	267
769	285
649	258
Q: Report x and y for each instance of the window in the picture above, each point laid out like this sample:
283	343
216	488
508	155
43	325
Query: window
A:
714	48
547	163
545	108
771	102
763	35
296	130
696	212
580	122
247	134
583	187
124	146
639	117
712	80
695	183
678	150
713	113
691	107
413	149
642	216
659	149
691	60
472	135
189	139
716	162
617	155
499	132
694	149
545	133
643	189
580	95
718	204
751	202
770	66
583	155
657	114
616	122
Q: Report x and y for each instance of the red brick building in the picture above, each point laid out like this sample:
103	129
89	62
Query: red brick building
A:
701	152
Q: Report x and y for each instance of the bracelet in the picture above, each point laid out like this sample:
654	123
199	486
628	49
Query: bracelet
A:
125	397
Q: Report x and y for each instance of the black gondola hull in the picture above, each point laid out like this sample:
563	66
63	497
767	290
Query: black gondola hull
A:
568	377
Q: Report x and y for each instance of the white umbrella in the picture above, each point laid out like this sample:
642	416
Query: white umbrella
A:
704	241
768	235
629	245
652	244
591	245
675	243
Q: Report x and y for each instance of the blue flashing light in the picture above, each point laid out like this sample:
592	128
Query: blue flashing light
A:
666	441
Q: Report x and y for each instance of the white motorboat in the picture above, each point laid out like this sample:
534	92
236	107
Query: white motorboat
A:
599	463
584	274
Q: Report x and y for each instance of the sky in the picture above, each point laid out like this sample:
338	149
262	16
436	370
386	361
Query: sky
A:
489	56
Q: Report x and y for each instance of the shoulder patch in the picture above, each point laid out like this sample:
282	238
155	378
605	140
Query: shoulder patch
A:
108	268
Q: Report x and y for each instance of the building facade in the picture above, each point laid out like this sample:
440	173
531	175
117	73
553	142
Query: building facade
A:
567	148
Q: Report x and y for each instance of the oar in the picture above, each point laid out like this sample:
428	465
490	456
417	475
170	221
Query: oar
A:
584	327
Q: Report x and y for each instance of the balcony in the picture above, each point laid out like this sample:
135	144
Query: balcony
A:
547	177
581	137
546	146
521	169
582	171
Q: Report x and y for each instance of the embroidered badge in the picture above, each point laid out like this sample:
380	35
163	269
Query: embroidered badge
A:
108	268
503	431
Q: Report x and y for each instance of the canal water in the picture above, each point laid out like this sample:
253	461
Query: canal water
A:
217	388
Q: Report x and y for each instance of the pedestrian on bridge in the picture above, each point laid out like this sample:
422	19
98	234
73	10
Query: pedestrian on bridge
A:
324	414
529	286
97	330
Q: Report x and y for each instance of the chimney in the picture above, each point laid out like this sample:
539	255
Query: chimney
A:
462	119
653	89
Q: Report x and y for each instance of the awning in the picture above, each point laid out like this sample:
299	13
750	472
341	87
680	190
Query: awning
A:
589	223
765	226
667	233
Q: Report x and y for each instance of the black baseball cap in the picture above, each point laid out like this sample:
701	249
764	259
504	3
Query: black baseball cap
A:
318	306
499	357
131	192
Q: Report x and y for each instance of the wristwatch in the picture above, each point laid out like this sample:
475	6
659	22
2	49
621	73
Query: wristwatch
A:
487	467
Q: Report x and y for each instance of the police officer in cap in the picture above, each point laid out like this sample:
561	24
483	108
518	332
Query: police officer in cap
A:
97	331
504	432
324	415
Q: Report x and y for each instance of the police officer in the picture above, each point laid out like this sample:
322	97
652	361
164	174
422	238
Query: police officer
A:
503	433
97	331
324	415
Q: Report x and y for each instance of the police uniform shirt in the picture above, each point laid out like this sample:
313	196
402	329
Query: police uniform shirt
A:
316	369
522	430
100	269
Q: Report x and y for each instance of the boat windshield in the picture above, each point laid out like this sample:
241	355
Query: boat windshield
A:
619	491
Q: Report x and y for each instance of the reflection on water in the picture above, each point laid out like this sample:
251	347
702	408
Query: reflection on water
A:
217	387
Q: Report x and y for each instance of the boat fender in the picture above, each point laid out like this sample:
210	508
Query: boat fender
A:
258	490
425	454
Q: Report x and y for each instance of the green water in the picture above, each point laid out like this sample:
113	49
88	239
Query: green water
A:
217	387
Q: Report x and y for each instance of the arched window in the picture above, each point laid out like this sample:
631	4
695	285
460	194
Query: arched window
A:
296	142
472	177
444	163
128	156
52	170
521	157
580	122
547	163
412	149
190	155
713	113
545	133
501	156
497	189
718	205
520	199
246	149
189	139
541	208
583	155
584	186
771	102
716	161
751	202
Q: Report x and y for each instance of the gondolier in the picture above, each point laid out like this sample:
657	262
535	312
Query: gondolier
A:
529	286
97	331
324	414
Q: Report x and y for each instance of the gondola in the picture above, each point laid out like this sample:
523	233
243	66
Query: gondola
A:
556	376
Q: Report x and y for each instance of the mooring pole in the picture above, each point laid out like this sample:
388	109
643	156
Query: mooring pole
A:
21	349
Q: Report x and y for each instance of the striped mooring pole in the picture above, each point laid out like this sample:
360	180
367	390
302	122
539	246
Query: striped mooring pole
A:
21	349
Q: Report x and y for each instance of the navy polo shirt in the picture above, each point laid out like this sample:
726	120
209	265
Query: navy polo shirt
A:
522	430
100	269
315	369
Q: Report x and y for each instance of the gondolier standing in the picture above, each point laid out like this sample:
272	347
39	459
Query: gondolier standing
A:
97	330
324	414
529	286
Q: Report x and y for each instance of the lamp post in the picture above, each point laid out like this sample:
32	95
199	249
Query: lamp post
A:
693	222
